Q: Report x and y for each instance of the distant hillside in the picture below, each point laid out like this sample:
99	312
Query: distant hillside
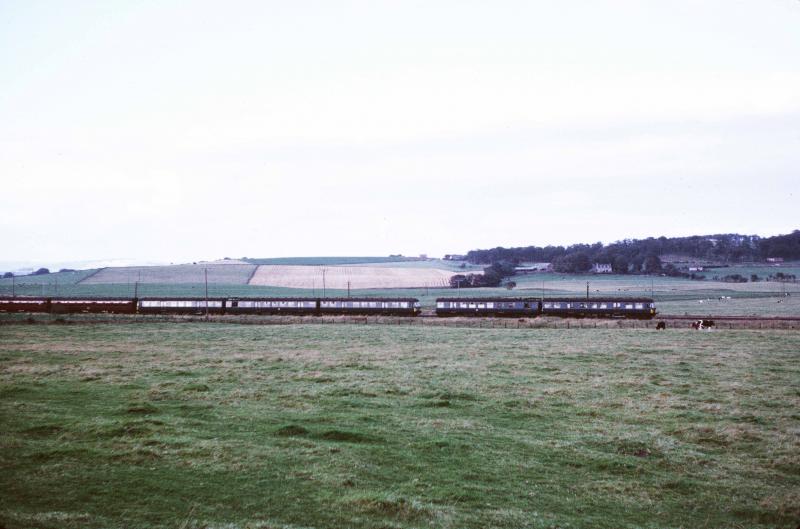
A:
644	255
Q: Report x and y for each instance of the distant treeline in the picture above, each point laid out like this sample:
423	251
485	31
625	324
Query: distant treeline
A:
644	256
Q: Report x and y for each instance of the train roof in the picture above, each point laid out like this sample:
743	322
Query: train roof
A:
263	298
179	298
65	298
536	298
90	298
248	298
488	298
29	298
368	299
601	299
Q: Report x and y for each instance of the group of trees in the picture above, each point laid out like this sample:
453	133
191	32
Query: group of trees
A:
492	276
631	256
39	272
642	255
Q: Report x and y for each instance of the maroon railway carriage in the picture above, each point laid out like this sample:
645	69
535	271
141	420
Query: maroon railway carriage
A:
92	305
24	304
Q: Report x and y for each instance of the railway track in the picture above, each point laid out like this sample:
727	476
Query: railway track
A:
725	318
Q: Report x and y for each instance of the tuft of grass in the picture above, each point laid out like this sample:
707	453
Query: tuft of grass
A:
291	430
387	506
343	436
143	408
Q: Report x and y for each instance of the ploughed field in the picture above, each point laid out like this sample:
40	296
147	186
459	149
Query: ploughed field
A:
213	425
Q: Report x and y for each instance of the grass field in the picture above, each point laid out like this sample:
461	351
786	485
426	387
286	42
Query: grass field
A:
230	274
761	270
226	426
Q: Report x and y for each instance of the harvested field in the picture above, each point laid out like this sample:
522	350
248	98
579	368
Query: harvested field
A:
337	277
233	274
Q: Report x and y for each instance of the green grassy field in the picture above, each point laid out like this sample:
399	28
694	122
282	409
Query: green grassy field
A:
220	274
761	270
227	426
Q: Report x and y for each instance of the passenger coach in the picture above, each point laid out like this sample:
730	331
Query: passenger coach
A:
511	307
271	306
181	306
24	304
638	308
367	306
92	305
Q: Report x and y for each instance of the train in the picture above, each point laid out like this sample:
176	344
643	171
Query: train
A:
611	307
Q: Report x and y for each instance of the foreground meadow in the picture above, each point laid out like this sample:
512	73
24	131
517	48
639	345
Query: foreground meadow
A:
228	426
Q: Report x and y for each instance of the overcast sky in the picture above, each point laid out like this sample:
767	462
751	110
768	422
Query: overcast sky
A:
180	131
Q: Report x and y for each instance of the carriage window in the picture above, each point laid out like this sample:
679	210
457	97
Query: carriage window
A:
640	306
490	305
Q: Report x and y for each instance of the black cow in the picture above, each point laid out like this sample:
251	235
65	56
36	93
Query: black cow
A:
661	326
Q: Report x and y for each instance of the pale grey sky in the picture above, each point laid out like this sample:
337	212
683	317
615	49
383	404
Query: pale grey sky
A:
178	131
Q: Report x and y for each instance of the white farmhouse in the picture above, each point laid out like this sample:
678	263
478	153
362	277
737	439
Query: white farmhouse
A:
601	268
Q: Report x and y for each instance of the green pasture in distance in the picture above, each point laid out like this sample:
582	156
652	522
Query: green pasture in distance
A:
62	278
329	426
237	274
762	270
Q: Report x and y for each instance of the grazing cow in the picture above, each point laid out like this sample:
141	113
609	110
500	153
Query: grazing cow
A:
700	325
661	326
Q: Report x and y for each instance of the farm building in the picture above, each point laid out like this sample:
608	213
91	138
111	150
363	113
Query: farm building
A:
601	268
532	268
